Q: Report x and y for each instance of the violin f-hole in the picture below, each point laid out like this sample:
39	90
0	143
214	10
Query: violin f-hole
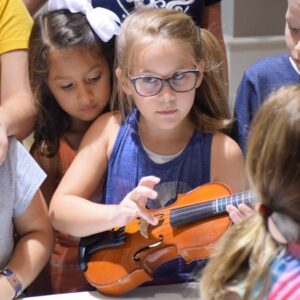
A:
156	244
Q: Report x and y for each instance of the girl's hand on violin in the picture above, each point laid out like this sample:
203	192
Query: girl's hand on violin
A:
240	213
134	204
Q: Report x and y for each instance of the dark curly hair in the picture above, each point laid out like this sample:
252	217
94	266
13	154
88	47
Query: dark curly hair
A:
57	30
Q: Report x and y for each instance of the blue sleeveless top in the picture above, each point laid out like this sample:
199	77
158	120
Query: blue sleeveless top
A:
129	162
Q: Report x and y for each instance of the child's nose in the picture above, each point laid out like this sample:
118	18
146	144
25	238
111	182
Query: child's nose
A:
167	91
85	96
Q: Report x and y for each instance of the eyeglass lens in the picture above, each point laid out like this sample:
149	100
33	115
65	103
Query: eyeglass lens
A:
179	82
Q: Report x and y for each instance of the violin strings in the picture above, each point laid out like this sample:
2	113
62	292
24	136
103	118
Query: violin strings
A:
195	210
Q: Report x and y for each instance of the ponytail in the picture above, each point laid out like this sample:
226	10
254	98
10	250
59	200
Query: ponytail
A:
249	249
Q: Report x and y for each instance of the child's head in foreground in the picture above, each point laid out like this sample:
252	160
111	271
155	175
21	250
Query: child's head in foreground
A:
273	164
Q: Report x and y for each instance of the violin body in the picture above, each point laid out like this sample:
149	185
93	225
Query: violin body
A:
120	266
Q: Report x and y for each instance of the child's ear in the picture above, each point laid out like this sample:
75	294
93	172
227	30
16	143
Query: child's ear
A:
201	68
124	81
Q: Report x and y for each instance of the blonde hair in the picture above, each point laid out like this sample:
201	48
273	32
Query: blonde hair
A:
273	164
210	111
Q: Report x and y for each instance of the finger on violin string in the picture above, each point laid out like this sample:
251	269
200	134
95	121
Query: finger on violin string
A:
231	208
235	217
245	209
234	214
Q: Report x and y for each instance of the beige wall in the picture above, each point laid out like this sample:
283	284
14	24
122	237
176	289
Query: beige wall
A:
253	17
253	29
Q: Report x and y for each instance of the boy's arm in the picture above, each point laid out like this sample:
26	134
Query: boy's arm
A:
34	5
246	105
34	246
17	111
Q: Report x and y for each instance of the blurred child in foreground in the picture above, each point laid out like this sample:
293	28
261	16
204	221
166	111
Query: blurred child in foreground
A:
260	258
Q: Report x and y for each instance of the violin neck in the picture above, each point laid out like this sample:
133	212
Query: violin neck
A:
204	210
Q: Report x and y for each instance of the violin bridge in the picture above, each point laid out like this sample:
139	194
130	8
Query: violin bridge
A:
144	228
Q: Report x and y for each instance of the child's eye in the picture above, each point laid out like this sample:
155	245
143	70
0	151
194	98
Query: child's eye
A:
67	86
178	76
94	78
150	79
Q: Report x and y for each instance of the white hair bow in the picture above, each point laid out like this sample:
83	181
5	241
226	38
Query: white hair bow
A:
104	22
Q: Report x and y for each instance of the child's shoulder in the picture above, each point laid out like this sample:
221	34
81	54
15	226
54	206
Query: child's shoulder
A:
111	118
225	142
268	64
227	162
104	129
106	124
225	149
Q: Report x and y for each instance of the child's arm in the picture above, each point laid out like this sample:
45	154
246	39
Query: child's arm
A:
247	102
227	166
70	212
34	246
17	109
227	163
33	6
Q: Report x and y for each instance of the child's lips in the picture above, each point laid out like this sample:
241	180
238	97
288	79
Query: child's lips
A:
167	111
89	108
297	61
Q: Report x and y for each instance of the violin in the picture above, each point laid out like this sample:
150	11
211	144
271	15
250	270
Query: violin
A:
118	260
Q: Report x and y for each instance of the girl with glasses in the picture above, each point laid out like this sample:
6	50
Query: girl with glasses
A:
165	139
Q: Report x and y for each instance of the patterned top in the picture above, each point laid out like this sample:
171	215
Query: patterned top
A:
123	7
285	274
283	277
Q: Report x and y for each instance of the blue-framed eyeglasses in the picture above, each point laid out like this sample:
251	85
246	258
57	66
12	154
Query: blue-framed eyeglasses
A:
181	81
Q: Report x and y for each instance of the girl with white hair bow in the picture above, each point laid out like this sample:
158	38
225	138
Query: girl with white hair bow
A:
71	54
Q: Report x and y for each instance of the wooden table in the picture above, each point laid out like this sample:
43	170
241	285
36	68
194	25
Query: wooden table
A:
184	291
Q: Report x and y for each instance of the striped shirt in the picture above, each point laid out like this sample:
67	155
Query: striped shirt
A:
285	273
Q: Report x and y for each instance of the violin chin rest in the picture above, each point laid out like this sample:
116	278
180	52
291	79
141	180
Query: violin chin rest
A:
160	256
123	285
